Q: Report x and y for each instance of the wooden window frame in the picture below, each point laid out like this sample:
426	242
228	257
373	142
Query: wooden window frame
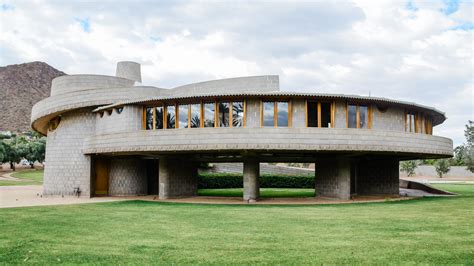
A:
369	114
332	117
275	112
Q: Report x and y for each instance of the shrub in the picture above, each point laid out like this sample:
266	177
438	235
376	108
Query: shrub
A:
408	167
442	167
227	180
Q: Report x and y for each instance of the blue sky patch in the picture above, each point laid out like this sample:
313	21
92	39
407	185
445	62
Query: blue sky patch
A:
451	6
465	26
6	7
85	24
411	6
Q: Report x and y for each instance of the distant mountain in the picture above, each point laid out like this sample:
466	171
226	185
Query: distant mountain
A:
21	86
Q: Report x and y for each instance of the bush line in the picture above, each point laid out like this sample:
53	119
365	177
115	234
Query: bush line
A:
228	180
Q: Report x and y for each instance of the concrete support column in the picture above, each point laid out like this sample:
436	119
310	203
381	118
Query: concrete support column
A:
333	178
177	178
251	185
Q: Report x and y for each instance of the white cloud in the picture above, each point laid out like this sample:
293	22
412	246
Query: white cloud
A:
411	50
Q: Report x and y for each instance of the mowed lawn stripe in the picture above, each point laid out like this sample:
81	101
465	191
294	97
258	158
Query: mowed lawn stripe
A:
437	230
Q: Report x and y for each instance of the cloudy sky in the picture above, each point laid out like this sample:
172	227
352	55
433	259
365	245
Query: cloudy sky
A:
419	51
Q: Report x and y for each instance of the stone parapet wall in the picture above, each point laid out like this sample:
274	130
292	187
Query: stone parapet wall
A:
74	83
130	119
275	139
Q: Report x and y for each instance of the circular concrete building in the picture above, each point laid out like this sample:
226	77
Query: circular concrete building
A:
108	136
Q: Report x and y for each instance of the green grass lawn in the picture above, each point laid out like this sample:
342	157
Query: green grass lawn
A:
264	192
430	230
28	177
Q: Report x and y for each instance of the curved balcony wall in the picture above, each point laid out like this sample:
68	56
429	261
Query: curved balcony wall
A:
313	140
72	83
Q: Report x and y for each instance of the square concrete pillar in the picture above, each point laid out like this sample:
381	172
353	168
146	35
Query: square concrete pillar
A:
177	178
333	178
251	185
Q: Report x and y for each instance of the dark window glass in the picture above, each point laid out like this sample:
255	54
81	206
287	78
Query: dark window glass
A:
159	117
352	113
209	114
171	116
312	114
325	114
237	114
195	115
282	108
224	114
363	117
149	118
268	114
183	116
119	110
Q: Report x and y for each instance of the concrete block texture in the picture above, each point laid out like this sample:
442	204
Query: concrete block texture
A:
234	85
251	184
377	176
333	178
177	178
66	166
268	138
129	70
127	177
110	121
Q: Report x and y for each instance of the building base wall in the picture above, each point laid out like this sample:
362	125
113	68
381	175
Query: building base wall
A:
377	177
333	178
177	178
127	177
67	168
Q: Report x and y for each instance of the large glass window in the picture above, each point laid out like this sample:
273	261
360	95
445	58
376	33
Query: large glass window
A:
319	114
363	117
282	109
312	112
149	118
268	114
351	116
195	115
325	114
183	116
237	114
209	114
159	117
224	114
170	116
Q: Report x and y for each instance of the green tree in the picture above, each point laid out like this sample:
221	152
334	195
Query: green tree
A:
442	167
408	167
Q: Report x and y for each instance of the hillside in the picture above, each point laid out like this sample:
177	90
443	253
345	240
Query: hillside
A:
21	86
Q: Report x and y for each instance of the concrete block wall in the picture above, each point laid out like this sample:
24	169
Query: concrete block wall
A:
333	178
377	177
253	113
391	119
127	177
130	119
177	178
340	115
299	113
66	166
